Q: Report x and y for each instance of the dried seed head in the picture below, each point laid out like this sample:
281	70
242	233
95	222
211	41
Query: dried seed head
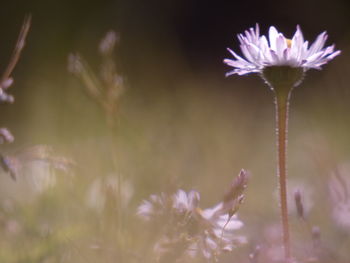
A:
6	83
299	203
74	64
238	185
316	233
6	79
235	194
105	87
10	166
108	42
6	136
4	97
316	241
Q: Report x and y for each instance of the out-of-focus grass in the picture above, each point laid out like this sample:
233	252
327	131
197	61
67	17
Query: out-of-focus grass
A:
177	129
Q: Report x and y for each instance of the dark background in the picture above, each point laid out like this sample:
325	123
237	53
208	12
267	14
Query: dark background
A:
162	43
201	30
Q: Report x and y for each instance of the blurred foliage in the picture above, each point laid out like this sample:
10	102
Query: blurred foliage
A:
180	124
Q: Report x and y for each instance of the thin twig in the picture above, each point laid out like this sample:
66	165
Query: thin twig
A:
18	49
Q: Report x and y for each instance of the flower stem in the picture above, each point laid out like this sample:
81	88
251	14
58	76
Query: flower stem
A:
282	107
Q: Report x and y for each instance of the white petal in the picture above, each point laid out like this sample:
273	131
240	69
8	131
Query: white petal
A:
263	44
241	39
328	50
234	63
210	212
247	53
336	53
255	53
315	56
299	36
286	55
264	49
274	57
249	35
193	199
281	45
273	34
318	44
238	72
297	44
211	243
238	57
180	200
257	31
145	210
233	223
303	51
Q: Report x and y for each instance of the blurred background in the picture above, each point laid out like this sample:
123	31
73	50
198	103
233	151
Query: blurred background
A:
181	123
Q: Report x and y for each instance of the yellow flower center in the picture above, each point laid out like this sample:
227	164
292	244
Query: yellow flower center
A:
289	42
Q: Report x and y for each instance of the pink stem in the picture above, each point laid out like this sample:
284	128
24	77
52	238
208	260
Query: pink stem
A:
282	107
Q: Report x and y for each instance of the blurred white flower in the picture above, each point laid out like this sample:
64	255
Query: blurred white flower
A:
341	215
185	202
196	232
260	52
155	206
105	188
6	136
339	186
221	235
36	177
40	175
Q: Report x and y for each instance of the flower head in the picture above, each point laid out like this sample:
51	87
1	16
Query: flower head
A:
186	229
261	52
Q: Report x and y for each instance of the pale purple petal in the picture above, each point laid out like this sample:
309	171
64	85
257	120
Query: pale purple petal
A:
273	34
281	45
318	44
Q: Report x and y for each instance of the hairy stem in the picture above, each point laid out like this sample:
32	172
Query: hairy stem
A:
112	125
282	105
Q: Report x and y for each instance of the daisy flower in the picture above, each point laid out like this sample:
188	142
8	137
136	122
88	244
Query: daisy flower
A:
260	52
282	63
